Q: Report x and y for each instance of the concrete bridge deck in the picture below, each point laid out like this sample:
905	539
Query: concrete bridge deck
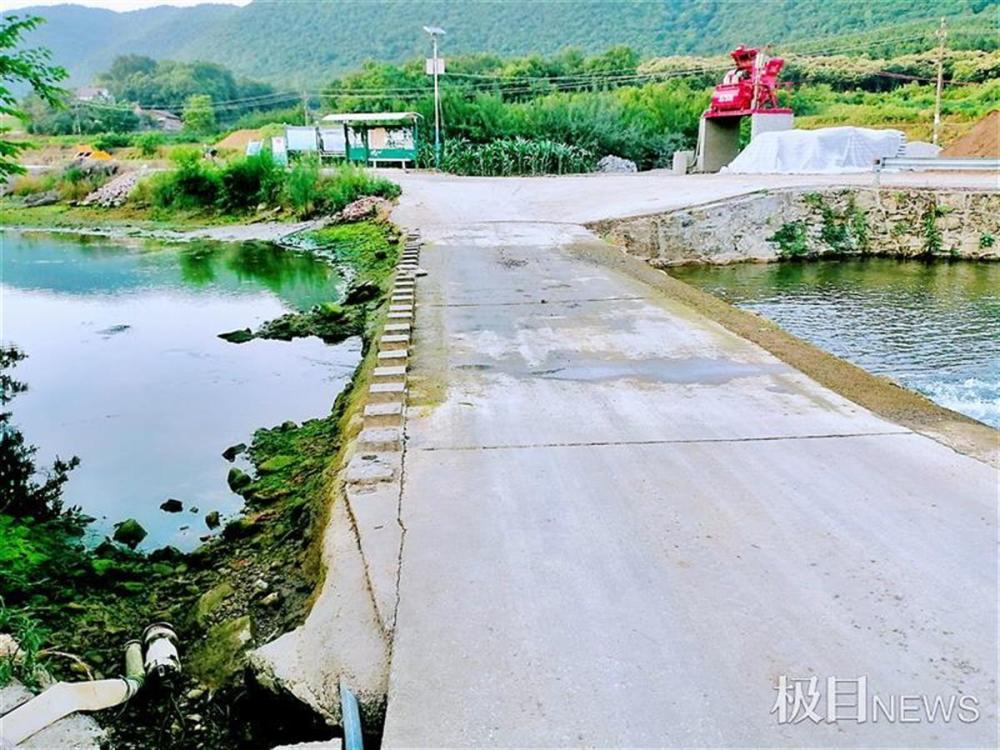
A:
624	524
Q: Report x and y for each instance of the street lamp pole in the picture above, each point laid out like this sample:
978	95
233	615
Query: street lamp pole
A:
435	31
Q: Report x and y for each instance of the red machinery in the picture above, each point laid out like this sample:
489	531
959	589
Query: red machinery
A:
751	87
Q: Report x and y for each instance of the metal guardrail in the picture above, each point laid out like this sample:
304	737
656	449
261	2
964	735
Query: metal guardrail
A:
926	164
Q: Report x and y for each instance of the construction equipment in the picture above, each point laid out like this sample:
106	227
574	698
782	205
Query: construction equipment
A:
748	90
752	86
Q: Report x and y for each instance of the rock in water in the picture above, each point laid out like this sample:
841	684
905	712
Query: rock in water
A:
129	532
212	519
172	505
238	479
233	451
239	336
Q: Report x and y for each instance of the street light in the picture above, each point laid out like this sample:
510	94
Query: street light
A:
435	69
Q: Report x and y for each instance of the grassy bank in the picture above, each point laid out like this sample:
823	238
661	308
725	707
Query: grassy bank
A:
73	607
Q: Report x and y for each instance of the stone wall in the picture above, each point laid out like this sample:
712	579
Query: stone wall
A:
777	224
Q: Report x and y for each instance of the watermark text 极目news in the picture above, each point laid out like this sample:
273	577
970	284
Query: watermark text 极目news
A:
836	699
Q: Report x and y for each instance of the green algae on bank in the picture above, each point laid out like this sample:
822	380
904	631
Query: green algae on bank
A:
263	564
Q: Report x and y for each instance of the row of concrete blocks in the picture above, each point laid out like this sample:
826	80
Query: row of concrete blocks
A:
374	475
383	414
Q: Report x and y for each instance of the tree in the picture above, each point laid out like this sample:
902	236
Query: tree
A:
30	66
199	114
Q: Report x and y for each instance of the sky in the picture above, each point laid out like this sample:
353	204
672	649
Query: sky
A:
116	4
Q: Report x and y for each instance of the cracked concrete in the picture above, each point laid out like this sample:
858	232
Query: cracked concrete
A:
632	555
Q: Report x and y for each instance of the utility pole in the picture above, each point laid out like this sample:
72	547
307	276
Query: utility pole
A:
435	69
941	34
305	109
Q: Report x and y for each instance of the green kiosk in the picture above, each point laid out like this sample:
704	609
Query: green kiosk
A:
375	138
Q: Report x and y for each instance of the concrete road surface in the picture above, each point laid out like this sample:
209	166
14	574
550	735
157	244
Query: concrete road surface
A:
625	526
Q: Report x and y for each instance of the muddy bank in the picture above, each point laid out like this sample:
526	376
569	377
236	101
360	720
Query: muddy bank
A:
880	395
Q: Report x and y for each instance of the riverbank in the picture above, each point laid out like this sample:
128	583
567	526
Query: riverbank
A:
816	222
129	222
235	592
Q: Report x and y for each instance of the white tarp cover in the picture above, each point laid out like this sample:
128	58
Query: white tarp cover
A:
827	150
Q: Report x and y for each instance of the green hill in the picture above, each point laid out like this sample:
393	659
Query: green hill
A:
305	44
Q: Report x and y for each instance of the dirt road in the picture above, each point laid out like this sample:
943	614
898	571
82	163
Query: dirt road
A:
626	526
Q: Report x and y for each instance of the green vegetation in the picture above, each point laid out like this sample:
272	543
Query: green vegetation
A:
199	114
191	88
302	44
791	239
25	67
514	156
71	606
242	184
932	234
842	231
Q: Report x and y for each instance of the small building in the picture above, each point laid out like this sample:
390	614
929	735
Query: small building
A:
93	94
376	137
161	119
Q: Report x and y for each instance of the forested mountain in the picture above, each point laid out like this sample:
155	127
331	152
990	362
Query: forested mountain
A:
306	43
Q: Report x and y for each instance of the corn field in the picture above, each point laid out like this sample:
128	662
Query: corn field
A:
507	157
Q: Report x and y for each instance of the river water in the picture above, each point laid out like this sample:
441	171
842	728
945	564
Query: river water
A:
933	327
125	368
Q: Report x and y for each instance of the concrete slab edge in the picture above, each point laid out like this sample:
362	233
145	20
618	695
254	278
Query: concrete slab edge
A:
373	480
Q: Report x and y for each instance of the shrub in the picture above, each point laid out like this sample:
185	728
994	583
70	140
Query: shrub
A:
249	181
108	141
28	184
302	186
149	143
195	183
348	183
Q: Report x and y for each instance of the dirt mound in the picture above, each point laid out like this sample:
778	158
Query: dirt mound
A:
982	140
239	139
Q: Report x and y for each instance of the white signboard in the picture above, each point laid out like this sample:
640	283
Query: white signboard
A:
278	150
301	138
430	66
333	141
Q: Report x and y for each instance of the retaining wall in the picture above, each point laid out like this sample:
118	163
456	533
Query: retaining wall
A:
771	225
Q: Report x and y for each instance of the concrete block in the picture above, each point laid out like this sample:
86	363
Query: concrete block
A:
393	356
390	371
769	122
395	342
401	298
380	439
382	392
400	315
334	744
389	414
372	468
397	328
718	142
401	308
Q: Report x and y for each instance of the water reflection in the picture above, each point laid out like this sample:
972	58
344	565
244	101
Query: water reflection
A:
126	370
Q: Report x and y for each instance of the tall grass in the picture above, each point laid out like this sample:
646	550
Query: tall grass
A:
241	185
515	156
